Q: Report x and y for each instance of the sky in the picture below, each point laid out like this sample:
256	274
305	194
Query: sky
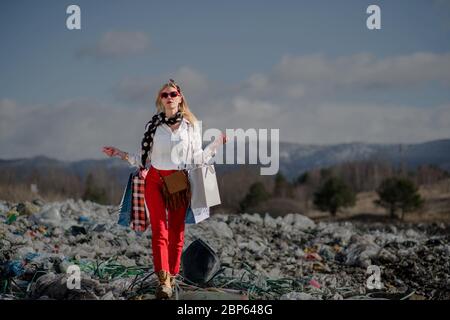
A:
311	69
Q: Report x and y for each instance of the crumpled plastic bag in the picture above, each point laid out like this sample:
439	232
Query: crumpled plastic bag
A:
200	262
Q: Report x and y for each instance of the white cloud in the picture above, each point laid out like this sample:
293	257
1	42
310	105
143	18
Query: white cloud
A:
311	99
317	75
116	44
78	129
70	130
9	113
333	122
258	110
192	82
336	123
143	89
135	89
299	97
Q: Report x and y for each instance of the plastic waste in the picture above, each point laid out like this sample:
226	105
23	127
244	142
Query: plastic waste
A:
14	269
31	256
49	216
11	217
315	284
200	262
76	230
82	219
297	296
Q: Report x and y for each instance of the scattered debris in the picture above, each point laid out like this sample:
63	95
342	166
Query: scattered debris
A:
255	256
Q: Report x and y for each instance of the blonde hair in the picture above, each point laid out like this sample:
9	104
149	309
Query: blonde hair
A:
183	106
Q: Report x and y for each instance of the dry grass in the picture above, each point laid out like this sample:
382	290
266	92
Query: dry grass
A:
21	193
16	193
436	207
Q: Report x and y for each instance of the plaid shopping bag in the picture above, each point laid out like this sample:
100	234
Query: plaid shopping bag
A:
140	219
133	210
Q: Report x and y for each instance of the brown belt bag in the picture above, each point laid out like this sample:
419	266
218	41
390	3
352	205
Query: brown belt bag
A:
176	189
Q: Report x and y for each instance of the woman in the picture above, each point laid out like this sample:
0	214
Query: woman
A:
169	143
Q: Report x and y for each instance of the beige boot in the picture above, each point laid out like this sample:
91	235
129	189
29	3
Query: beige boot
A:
173	280
164	290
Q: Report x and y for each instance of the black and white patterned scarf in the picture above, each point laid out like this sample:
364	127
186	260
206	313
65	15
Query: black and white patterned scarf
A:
147	140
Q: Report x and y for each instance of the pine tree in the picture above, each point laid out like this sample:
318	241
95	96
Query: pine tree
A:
397	193
332	195
256	195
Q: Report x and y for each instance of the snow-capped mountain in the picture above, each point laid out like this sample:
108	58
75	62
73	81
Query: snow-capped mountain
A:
294	158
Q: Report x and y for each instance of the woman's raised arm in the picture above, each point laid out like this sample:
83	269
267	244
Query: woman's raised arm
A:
134	159
202	156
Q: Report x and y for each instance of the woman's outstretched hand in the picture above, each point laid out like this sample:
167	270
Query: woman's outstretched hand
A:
112	151
224	138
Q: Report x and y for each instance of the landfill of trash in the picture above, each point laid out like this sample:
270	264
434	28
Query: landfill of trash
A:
290	257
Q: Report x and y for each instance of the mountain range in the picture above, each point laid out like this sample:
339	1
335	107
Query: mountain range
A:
294	158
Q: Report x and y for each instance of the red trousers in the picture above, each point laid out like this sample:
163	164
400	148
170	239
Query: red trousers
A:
167	228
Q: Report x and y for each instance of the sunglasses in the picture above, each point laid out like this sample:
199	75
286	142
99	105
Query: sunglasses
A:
172	94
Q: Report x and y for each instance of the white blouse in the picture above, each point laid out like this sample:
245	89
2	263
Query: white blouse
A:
186	143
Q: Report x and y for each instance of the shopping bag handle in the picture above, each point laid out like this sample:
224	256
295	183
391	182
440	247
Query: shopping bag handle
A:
191	166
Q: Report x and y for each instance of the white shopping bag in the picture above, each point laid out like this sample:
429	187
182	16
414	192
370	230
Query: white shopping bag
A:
196	215
204	188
